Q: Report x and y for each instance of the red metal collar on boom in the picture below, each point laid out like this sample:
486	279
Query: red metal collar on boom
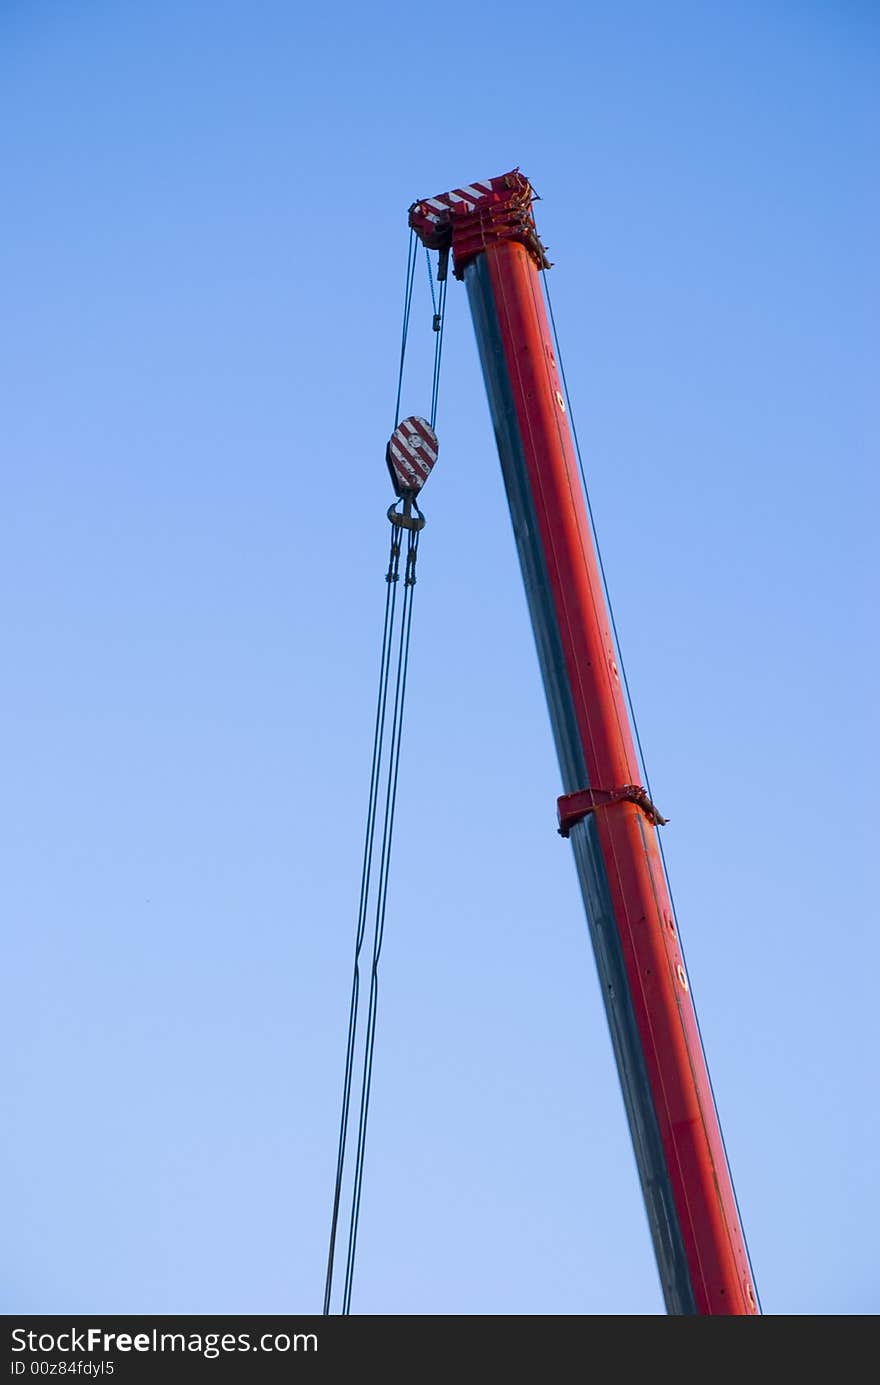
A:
472	218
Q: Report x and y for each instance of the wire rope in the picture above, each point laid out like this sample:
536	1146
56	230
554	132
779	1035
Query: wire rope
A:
381	905
387	737
384	666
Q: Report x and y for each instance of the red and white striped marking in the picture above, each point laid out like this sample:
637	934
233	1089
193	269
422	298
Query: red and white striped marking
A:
411	453
434	207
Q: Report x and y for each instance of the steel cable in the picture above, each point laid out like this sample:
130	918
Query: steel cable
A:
381	703
440	319
381	904
411	261
394	736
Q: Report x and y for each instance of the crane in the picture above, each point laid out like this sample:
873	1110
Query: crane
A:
488	229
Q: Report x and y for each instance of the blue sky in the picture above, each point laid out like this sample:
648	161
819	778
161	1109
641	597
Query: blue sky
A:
203	243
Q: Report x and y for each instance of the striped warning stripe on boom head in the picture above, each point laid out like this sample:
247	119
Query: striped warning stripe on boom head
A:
471	218
461	199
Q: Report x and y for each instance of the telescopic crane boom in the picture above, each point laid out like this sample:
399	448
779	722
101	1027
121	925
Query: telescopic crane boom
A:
608	817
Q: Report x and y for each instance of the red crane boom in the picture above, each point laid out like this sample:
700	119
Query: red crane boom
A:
612	824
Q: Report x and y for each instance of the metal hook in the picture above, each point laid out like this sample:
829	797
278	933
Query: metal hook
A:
406	519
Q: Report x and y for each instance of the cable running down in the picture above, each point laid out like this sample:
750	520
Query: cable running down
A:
410	456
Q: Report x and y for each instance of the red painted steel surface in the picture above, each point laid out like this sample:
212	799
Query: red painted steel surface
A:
664	1011
572	808
432	213
477	216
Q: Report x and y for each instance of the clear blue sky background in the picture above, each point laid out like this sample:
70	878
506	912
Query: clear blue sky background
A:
203	234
